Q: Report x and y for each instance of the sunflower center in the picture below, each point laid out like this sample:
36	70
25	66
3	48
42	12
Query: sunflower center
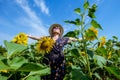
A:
44	45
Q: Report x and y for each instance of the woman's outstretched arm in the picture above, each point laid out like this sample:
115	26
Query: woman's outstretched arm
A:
34	37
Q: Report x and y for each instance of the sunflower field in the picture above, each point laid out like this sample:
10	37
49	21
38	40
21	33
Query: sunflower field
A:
92	58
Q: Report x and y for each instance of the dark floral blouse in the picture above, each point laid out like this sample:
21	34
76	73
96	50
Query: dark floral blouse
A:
56	60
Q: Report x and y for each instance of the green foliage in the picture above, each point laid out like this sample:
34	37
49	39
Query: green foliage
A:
78	75
95	24
100	61
72	34
2	50
75	52
92	11
77	22
86	5
77	10
85	59
90	53
31	67
17	62
113	70
13	49
36	77
41	72
20	63
3	66
3	78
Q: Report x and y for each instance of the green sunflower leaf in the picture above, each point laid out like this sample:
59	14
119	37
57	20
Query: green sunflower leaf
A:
86	5
113	70
96	25
77	10
100	61
13	48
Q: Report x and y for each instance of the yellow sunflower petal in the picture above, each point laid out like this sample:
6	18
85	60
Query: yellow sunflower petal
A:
45	45
91	37
102	41
21	38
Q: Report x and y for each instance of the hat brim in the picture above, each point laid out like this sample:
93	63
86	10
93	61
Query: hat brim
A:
53	25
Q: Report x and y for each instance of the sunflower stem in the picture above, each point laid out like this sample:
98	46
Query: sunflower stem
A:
84	42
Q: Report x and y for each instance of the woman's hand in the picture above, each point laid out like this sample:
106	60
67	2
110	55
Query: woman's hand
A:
29	35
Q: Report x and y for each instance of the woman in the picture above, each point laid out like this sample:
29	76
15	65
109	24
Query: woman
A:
55	58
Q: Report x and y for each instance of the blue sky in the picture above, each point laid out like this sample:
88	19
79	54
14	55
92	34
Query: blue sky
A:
35	16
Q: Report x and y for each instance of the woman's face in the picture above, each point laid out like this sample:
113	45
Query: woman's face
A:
56	30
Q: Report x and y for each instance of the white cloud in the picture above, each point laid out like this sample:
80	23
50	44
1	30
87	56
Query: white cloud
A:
98	1
32	21
41	4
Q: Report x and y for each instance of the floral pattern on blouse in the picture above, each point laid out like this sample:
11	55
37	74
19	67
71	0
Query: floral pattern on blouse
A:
56	60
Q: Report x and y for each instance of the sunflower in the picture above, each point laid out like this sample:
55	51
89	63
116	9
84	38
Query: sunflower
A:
91	33
83	53
4	71
109	55
45	45
102	41
21	38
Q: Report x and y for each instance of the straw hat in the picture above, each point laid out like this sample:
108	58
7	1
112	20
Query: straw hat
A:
58	25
